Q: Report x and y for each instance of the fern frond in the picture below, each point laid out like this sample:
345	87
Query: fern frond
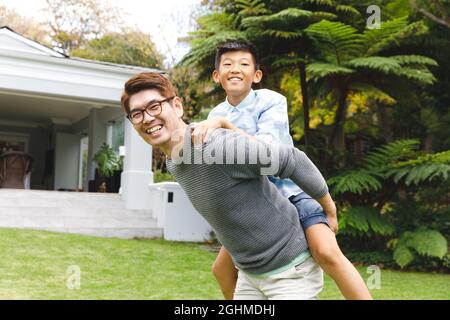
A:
414	59
390	153
287	61
285	16
252	7
356	181
423	76
425	242
424	168
392	32
380	64
321	70
374	93
348	9
342	39
207	48
365	219
403	256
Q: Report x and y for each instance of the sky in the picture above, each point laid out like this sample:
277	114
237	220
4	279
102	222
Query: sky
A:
165	20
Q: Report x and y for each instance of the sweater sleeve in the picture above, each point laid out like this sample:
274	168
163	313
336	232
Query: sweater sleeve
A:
245	158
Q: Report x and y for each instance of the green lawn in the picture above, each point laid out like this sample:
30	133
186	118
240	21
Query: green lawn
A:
35	265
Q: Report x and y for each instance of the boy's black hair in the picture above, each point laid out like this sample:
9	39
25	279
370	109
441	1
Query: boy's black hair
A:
237	45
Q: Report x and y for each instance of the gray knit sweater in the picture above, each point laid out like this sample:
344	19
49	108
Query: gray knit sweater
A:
256	224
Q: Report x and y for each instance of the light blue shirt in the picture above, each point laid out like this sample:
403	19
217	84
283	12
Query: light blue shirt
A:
263	114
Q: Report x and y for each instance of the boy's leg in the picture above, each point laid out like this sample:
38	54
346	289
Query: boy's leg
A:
325	249
226	273
302	282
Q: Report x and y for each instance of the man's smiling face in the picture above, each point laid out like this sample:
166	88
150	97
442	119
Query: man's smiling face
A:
237	72
160	129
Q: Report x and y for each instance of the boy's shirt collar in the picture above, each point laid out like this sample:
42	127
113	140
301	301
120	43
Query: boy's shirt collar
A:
248	100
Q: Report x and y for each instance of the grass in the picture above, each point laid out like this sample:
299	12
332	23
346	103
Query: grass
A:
37	265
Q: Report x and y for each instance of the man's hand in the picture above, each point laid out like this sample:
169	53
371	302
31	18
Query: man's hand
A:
203	130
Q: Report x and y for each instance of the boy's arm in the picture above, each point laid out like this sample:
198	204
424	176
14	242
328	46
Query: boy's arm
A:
203	129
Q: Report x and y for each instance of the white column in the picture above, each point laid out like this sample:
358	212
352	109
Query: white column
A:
137	170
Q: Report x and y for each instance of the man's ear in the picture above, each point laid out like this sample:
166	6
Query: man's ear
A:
178	106
215	76
258	76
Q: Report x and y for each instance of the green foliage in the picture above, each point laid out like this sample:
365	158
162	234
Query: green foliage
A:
354	181
130	48
162	176
107	160
391	153
322	70
424	168
422	241
364	220
376	168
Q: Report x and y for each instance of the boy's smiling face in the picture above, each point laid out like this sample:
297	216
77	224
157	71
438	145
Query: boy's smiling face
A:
236	74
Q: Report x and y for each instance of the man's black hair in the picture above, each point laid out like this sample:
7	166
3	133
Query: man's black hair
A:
237	45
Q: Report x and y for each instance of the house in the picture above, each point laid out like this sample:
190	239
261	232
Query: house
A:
60	110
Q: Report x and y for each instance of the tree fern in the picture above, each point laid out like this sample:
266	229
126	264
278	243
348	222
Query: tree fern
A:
322	70
341	39
425	242
365	220
252	7
379	64
424	168
414	59
355	181
391	153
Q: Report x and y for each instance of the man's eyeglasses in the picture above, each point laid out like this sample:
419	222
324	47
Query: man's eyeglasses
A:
153	109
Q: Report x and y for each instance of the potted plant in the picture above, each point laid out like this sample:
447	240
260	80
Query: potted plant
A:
108	170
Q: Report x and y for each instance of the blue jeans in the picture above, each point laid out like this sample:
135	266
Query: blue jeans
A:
310	212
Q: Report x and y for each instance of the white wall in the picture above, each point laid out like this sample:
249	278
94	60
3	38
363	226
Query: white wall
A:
67	155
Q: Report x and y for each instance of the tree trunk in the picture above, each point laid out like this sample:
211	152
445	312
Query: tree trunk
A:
385	123
337	137
305	101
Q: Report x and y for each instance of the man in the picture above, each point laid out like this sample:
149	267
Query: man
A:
223	179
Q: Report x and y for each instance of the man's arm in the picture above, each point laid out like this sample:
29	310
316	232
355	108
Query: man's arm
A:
252	158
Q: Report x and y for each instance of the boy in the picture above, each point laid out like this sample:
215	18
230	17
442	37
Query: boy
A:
225	182
263	114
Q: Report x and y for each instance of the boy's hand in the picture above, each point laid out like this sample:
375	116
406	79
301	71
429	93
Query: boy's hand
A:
202	130
329	207
333	223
